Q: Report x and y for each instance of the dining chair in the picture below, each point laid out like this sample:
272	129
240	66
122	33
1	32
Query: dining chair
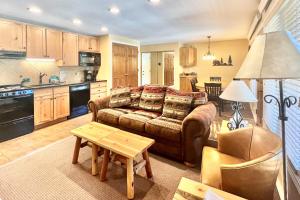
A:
213	91
193	84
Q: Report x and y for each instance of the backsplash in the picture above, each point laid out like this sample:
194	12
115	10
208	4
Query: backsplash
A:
13	71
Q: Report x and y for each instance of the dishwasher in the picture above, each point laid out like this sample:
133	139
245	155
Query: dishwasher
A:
79	98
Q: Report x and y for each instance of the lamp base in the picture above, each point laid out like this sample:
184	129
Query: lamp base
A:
237	120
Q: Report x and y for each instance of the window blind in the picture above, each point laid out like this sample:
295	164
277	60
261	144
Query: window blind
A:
287	18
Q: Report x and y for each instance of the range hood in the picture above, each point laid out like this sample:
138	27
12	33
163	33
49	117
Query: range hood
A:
12	54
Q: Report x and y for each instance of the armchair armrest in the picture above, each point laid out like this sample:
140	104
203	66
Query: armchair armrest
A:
98	104
259	174
236	143
196	130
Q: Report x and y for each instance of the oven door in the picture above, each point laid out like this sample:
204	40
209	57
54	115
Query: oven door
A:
14	108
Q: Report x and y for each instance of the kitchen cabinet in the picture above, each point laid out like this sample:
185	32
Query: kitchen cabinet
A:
44	43
51	104
54	44
61	102
98	90
188	56
12	36
36	46
185	83
70	49
88	43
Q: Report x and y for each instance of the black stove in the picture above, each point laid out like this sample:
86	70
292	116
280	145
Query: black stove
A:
16	111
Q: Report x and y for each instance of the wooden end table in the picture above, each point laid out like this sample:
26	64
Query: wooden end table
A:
124	144
189	189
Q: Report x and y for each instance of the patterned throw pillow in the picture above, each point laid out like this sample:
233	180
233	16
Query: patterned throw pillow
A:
135	96
120	97
200	98
177	105
152	98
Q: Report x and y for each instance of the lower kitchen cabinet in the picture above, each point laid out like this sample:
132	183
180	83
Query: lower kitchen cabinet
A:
51	104
98	90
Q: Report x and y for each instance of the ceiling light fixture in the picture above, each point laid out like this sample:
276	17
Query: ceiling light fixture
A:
114	10
209	56
77	21
104	29
34	9
154	1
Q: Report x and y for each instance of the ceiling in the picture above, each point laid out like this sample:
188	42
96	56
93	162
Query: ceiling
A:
170	21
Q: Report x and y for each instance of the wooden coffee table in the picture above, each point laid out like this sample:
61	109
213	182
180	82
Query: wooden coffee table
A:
124	144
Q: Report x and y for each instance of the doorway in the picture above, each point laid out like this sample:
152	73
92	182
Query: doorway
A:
158	68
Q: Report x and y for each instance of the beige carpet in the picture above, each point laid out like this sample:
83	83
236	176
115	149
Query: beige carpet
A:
48	174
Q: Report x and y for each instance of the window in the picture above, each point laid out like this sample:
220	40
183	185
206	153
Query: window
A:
288	18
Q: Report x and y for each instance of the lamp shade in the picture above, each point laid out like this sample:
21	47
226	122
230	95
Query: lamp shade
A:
237	90
272	56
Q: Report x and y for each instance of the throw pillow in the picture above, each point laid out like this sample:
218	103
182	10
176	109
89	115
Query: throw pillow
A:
135	96
120	97
177	105
200	98
152	98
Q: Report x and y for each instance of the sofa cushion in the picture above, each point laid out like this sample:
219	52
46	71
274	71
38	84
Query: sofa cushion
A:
111	115
152	98
211	162
177	105
137	120
120	97
199	98
166	128
135	96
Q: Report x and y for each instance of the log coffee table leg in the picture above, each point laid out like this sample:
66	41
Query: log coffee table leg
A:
148	165
104	165
95	169
130	179
76	150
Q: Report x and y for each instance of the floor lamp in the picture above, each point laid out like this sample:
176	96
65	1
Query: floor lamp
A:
274	56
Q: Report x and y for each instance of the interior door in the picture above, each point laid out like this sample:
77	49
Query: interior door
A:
132	66
154	68
146	68
169	69
119	66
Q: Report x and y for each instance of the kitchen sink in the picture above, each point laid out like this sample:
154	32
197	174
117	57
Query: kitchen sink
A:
44	85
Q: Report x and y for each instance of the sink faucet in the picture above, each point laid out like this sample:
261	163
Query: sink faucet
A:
41	78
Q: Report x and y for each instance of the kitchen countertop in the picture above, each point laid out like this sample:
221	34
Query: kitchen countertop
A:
48	85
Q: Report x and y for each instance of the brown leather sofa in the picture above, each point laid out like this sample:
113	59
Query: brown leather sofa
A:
246	163
179	140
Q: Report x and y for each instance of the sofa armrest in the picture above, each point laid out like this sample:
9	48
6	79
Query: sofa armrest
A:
98	104
196	130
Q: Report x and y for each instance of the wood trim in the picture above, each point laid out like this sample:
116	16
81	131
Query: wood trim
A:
266	17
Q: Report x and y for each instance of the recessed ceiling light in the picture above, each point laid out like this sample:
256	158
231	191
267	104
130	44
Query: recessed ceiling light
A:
77	21
154	1
104	29
114	10
34	9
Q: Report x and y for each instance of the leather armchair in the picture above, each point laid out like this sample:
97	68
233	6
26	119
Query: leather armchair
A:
246	163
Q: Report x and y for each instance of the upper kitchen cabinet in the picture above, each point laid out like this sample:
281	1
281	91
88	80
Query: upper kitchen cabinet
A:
188	56
12	36
88	43
36	45
54	44
70	49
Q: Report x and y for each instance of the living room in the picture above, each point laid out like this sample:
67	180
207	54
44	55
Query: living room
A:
150	99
